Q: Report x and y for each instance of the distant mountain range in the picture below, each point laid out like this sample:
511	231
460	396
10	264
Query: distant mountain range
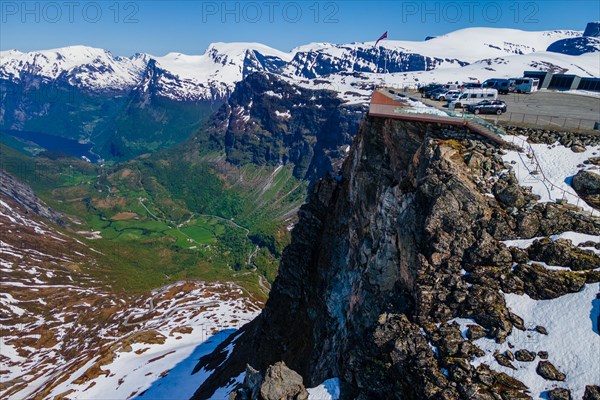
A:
213	74
128	106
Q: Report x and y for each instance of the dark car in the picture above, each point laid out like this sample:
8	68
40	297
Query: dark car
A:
429	94
427	88
471	85
488	107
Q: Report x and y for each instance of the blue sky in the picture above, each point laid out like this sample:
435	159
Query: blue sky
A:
158	27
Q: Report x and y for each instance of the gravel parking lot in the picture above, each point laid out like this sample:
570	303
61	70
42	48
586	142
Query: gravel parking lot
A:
546	109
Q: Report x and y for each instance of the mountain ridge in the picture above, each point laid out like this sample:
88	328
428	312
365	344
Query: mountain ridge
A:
212	74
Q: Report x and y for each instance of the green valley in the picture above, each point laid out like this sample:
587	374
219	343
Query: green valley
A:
157	220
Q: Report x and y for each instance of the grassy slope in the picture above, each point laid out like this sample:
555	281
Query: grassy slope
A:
163	219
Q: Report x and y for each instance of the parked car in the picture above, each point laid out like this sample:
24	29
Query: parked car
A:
488	107
429	87
443	96
473	96
453	97
451	86
432	93
471	85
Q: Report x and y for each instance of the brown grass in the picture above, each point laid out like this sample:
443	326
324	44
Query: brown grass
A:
124	216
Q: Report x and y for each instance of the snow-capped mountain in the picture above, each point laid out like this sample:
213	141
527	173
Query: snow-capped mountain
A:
318	59
576	46
213	74
80	66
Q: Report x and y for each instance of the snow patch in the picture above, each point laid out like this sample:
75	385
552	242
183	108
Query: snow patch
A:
558	165
328	390
572	342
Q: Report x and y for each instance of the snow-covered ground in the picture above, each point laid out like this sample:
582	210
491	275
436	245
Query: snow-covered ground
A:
187	326
64	332
558	163
328	390
572	342
575	237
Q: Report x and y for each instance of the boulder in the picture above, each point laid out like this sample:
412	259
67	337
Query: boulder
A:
510	195
475	332
541	283
592	392
586	183
503	360
559	394
561	252
524	355
541	329
281	383
548	371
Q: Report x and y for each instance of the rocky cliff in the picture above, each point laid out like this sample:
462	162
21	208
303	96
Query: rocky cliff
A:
22	194
268	121
389	257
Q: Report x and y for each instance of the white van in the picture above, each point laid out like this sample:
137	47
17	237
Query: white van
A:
451	86
473	96
526	85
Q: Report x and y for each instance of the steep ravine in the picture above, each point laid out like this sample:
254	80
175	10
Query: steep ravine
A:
385	255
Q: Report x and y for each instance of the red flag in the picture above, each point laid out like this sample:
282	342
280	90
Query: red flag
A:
384	36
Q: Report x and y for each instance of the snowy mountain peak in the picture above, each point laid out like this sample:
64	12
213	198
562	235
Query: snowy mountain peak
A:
241	48
214	73
89	67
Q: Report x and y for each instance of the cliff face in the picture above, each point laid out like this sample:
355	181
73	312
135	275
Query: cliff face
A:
386	255
22	194
267	121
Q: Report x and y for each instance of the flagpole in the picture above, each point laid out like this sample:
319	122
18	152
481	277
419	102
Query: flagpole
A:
384	68
384	36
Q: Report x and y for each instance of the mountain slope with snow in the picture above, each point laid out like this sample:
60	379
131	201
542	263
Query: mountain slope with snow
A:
213	74
454	49
77	65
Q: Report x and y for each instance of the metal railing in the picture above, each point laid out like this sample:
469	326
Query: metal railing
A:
535	171
549	121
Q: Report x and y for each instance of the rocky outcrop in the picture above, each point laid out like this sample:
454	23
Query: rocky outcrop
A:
387	254
559	394
565	138
267	121
592	392
562	252
278	383
548	371
587	186
24	195
592	29
575	46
